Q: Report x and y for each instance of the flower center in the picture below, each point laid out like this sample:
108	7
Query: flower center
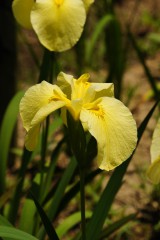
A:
59	2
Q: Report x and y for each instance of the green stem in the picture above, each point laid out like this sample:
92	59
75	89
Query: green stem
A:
43	155
82	197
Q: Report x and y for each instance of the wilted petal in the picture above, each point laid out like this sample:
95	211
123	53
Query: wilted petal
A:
21	10
112	125
58	23
154	170
35	98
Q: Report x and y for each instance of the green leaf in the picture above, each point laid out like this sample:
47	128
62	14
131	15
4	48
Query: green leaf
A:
99	28
46	222
14	233
70	222
6	132
115	54
103	206
13	210
27	217
4	221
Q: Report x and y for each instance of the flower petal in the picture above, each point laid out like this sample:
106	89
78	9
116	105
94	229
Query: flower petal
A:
34	99
45	111
21	10
31	138
153	171
112	125
64	81
58	26
103	89
33	132
155	145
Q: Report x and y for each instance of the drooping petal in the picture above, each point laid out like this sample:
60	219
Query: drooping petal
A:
58	23
155	145
33	132
46	110
35	98
112	125
31	138
21	10
153	172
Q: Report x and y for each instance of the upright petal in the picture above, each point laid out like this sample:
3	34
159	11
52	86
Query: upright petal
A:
64	81
112	125
58	23
153	172
22	10
103	89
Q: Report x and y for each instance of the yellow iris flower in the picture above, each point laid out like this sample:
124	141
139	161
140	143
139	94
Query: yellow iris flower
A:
154	169
57	23
106	118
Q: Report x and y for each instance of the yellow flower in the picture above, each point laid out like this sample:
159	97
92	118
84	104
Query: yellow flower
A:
106	118
57	23
153	172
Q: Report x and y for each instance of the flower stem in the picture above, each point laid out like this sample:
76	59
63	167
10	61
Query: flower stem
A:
82	197
43	155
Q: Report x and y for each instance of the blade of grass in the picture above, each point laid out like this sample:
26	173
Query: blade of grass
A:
6	134
70	222
46	222
103	206
116	225
99	28
54	205
13	211
145	67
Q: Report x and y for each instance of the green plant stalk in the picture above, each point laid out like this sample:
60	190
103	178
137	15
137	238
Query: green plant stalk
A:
82	200
43	156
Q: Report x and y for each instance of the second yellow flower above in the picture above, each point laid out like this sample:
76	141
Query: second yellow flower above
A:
57	23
